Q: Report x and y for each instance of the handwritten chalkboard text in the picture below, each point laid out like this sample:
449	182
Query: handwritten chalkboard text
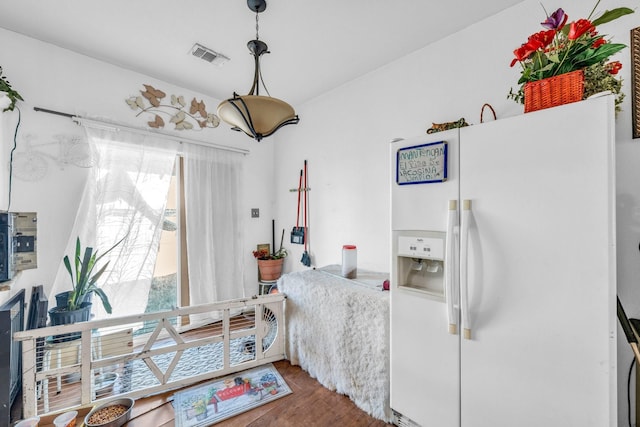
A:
422	163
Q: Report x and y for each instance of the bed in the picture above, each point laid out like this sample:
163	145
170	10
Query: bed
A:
338	331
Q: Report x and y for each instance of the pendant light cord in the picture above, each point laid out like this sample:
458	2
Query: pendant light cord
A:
257	25
264	86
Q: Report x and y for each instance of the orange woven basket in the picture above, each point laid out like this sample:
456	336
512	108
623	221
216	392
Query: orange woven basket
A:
554	91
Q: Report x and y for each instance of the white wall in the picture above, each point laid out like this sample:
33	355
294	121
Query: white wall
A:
57	79
345	136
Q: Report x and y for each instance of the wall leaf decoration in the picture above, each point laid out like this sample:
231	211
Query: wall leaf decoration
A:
150	101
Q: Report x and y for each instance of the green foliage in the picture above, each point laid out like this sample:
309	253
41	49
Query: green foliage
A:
162	296
598	78
13	95
564	47
610	15
200	406
83	278
264	254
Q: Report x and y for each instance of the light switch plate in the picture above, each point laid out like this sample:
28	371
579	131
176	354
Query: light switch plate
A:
255	213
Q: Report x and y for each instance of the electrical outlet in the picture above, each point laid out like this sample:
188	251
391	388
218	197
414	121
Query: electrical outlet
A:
255	213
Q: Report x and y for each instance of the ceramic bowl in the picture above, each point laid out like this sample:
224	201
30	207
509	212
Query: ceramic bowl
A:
117	422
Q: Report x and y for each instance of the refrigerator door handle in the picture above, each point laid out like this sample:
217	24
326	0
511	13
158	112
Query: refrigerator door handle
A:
464	258
450	266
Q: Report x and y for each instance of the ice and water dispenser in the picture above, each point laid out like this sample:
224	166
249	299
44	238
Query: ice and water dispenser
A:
420	261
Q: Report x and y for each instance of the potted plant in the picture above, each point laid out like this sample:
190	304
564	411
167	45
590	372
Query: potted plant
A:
270	264
568	61
74	305
200	409
7	91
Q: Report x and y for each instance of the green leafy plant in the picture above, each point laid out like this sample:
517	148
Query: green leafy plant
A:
264	254
83	278
601	77
564	47
200	406
13	95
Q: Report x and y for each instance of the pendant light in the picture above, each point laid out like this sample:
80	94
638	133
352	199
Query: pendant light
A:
257	115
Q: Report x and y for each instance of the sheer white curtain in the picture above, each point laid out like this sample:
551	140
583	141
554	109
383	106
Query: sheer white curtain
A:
212	180
125	195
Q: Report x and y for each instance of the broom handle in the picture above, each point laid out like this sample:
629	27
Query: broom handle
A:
628	331
281	240
306	194
299	190
273	235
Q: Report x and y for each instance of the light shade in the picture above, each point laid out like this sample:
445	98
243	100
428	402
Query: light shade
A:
257	116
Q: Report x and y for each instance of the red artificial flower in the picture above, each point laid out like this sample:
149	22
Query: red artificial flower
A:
262	254
580	27
522	53
536	41
599	42
543	38
613	67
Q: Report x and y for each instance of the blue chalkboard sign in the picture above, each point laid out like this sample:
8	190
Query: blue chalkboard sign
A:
421	164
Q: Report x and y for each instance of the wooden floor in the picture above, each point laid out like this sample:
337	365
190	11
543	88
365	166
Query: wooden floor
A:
310	404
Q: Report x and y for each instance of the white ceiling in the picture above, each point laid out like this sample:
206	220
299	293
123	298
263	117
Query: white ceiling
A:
315	45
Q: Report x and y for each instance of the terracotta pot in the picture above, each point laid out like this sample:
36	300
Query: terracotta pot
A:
270	269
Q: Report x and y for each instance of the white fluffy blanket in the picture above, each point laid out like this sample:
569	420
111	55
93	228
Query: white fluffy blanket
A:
338	331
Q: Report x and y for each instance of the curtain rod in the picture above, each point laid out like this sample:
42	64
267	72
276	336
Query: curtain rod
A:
83	121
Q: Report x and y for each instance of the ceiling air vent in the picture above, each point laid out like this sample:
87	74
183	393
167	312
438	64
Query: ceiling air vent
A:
208	55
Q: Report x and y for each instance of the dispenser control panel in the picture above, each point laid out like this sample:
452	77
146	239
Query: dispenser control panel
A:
421	247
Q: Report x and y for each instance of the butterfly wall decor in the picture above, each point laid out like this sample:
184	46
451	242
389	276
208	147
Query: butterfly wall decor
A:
150	101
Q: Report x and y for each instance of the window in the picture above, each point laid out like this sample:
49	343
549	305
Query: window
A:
178	206
168	286
163	294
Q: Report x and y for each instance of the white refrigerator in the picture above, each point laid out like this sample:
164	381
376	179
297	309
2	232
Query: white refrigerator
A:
503	275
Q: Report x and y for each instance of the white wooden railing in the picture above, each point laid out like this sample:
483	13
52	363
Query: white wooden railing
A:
60	374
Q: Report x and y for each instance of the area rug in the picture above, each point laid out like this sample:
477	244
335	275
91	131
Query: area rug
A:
209	403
